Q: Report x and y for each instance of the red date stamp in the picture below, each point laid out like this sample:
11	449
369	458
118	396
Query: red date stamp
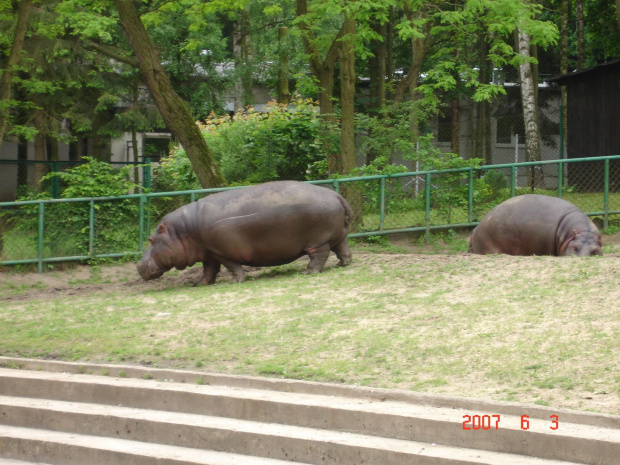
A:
488	422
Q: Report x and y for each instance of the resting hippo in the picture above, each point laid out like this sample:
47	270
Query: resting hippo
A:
265	225
536	225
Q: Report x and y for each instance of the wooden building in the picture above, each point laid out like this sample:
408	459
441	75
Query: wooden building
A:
593	121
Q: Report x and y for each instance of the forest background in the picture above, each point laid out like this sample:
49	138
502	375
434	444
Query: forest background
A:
79	68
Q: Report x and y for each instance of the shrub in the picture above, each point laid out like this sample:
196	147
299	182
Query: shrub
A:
279	143
67	225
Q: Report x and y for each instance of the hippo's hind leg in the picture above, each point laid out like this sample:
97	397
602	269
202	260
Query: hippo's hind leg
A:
236	269
318	257
210	268
343	252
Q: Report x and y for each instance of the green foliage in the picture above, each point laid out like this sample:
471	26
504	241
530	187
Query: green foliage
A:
449	191
398	197
279	143
67	225
387	133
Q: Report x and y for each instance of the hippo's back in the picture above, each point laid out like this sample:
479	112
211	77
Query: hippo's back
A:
273	198
523	225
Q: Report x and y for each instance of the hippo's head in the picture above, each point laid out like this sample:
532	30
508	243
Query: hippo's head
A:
584	244
166	251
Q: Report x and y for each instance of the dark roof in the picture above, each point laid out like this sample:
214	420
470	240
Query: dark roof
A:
563	79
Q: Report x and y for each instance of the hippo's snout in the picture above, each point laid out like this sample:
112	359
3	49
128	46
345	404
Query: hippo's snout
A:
148	269
585	244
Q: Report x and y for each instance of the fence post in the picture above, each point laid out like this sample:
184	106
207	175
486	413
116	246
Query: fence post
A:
337	186
470	196
427	203
513	180
561	132
606	196
91	229
560	179
146	174
382	205
40	237
55	180
141	208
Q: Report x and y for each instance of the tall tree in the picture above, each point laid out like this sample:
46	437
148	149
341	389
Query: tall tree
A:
323	71
581	41
23	14
529	103
564	10
347	96
172	108
284	93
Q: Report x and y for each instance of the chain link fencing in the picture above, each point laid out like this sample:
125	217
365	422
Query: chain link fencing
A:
43	232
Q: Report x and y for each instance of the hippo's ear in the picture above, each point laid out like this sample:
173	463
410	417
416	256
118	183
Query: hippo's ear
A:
162	228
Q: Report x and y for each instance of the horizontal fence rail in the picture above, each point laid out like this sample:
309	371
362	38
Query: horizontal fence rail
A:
60	230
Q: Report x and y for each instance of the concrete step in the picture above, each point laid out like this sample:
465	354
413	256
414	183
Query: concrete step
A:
60	448
388	419
19	462
283	442
296	421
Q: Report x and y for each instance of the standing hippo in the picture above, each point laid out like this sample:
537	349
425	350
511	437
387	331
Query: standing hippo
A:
536	225
265	225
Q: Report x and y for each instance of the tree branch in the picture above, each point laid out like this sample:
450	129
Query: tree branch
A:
131	61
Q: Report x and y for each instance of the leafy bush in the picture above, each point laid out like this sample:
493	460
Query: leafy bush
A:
253	147
450	191
67	225
397	197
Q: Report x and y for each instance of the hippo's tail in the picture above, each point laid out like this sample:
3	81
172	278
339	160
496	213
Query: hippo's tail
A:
348	213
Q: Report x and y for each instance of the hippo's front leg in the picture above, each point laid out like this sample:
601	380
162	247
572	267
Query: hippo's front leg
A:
210	269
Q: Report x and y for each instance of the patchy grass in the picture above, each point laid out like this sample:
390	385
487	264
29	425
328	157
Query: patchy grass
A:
543	330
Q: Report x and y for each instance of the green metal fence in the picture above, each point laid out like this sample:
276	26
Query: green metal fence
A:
41	232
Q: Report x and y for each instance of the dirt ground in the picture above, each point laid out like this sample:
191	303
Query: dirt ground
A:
84	280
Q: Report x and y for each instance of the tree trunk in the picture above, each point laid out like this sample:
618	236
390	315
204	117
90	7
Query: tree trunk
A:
581	43
40	169
173	110
418	52
564	9
535	74
347	98
482	144
454	129
323	71
377	68
52	148
389	56
377	78
530	109
284	94
242	52
22	155
23	14
347	124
